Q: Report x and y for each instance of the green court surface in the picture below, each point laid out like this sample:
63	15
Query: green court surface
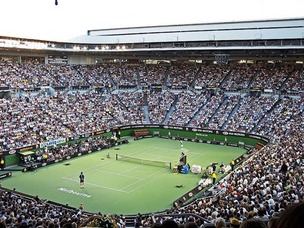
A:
120	187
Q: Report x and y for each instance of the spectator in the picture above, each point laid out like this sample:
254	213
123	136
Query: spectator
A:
220	223
253	223
293	216
169	223
272	223
190	225
234	222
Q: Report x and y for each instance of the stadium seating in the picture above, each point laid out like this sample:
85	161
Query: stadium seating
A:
206	96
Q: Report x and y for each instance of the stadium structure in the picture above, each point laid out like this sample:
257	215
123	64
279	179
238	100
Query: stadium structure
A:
244	77
274	40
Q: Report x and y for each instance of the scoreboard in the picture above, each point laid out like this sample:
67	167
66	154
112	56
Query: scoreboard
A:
58	59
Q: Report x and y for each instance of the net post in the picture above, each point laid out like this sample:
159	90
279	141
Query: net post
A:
116	156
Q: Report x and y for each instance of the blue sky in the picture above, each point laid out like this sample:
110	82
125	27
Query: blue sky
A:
42	19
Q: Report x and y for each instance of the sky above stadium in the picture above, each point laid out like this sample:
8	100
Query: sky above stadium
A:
42	19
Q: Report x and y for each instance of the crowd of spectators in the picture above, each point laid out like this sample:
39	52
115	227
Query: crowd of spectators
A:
151	75
250	111
207	110
239	78
259	188
211	76
19	211
63	152
32	74
282	113
125	76
271	77
222	114
159	104
180	77
186	107
263	187
295	82
133	102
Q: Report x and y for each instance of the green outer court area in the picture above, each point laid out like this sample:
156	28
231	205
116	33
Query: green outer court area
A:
119	187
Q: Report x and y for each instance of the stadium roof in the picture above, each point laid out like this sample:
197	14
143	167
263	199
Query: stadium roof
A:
281	39
241	30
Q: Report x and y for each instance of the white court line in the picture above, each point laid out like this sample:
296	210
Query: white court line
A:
122	190
148	149
121	173
142	179
191	152
152	149
139	179
91	169
142	151
117	174
97	185
147	183
98	168
161	148
194	155
135	167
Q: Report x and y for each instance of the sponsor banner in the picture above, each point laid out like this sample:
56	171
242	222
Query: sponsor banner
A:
125	127
187	196
99	132
52	142
232	144
209	131
151	126
254	136
237	134
5	175
248	147
176	128
265	139
73	192
137	126
27	148
12	151
201	135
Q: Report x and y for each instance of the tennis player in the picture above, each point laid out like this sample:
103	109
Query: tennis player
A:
81	179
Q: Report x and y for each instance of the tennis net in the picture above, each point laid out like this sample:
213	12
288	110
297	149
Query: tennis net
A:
143	161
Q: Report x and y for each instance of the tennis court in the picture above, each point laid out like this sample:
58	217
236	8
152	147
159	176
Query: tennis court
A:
117	186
